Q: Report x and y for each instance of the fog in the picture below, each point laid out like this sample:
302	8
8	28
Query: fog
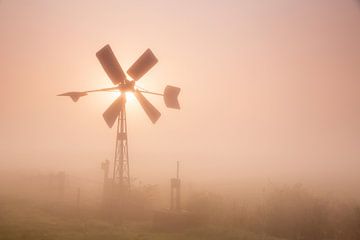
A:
269	94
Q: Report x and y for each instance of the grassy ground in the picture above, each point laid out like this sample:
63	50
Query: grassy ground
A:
20	219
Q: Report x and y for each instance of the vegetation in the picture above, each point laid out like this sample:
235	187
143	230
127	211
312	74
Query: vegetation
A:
287	212
26	220
283	213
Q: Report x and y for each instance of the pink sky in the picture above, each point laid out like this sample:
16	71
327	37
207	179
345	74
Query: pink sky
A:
270	89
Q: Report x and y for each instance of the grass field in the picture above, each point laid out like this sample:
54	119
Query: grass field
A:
23	219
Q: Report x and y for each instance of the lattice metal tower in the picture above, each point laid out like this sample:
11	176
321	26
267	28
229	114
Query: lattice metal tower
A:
121	173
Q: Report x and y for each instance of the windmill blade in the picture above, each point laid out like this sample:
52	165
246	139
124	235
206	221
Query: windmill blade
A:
149	109
113	111
74	95
144	63
171	94
111	65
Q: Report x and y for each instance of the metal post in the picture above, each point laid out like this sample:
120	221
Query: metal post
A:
175	185
178	187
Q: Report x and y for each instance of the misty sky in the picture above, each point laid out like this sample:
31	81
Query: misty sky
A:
270	89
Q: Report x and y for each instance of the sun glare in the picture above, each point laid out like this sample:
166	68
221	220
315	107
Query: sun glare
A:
115	94
129	96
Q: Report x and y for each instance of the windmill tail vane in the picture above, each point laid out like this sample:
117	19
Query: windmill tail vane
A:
139	68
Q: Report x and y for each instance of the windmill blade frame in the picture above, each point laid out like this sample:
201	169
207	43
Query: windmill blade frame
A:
112	112
142	65
111	65
149	109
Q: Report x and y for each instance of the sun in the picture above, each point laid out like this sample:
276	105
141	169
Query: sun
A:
130	97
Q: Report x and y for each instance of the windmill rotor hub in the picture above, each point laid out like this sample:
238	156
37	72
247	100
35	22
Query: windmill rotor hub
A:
127	86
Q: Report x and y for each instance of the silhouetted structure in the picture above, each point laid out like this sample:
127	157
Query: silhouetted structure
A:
117	110
174	218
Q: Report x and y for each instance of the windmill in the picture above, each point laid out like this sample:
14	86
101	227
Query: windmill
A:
117	110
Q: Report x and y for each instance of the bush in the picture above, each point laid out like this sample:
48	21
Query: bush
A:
292	212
